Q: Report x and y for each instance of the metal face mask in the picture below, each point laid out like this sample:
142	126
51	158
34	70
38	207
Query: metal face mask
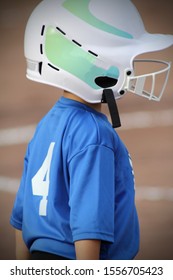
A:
150	85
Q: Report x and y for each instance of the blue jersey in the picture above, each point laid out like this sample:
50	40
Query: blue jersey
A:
77	184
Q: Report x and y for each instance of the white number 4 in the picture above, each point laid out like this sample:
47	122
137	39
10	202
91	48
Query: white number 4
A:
41	181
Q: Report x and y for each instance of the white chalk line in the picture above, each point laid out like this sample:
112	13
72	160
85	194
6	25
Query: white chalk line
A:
136	120
149	193
16	136
145	119
9	185
152	193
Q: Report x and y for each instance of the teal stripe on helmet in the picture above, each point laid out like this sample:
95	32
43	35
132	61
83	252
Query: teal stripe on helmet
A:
80	8
65	54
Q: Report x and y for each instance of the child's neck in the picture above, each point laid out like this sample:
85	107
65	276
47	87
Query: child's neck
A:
95	106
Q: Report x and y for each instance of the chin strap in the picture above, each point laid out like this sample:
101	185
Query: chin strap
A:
108	97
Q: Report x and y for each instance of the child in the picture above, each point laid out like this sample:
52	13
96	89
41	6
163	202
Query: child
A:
76	199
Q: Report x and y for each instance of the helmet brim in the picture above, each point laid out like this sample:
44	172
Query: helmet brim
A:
153	42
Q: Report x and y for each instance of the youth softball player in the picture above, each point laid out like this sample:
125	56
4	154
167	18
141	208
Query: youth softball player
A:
76	198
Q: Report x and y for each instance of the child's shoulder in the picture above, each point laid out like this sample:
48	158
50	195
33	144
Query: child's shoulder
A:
86	127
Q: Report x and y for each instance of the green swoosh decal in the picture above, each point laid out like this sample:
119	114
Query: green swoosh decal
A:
80	8
66	55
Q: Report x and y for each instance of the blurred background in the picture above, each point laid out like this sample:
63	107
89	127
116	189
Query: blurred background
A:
147	129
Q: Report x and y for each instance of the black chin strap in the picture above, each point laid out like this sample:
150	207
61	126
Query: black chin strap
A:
108	97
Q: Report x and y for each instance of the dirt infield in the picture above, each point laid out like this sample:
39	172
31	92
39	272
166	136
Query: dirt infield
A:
24	103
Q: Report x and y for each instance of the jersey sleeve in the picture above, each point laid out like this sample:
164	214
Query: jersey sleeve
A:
92	194
17	211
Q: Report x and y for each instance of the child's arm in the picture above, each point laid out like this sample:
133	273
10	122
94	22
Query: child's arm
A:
87	249
22	253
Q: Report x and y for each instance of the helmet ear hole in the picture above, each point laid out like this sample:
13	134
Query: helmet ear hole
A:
106	82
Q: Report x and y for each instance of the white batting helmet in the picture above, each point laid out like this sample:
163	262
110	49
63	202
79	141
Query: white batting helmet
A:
85	46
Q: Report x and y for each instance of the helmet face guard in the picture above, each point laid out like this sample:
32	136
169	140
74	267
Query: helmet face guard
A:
84	47
145	85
